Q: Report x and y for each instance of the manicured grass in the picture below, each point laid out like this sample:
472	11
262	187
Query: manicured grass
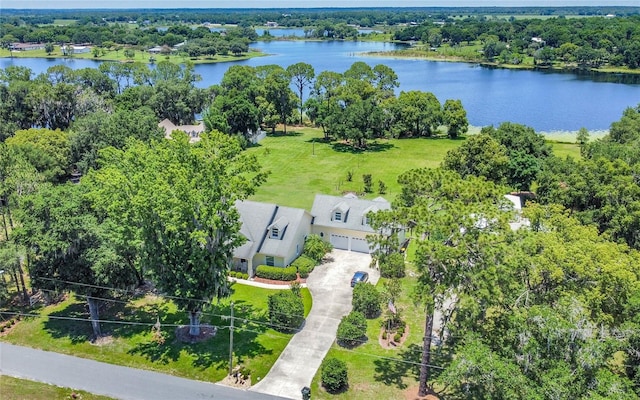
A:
21	389
256	345
302	164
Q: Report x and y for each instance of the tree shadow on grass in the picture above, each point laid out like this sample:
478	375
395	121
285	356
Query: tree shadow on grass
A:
68	323
279	133
371	147
391	371
213	352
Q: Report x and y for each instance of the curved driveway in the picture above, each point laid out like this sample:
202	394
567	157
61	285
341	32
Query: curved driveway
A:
331	292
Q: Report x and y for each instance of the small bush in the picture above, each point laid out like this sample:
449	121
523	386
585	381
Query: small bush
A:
334	375
366	178
245	276
276	273
304	264
382	187
392	266
366	299
352	329
286	310
232	274
397	337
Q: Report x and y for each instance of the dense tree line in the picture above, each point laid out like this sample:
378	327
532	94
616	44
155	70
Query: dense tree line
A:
200	40
297	17
548	309
585	42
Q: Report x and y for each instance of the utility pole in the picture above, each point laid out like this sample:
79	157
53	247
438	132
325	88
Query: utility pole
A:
231	342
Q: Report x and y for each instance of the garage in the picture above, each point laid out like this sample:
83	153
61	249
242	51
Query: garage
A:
339	242
359	245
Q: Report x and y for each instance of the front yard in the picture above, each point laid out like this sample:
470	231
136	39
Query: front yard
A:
131	340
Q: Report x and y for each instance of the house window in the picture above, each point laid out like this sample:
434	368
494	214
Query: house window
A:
365	220
275	233
337	216
270	261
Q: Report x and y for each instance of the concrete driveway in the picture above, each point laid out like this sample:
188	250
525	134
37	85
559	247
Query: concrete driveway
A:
331	291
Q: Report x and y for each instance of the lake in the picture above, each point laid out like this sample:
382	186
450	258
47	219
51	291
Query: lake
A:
545	101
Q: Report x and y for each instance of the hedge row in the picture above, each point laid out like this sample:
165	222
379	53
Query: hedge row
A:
276	273
238	274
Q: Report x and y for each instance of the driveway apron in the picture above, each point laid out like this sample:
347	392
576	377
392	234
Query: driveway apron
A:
330	289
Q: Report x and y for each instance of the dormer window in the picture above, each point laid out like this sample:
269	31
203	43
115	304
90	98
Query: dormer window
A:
365	219
339	212
275	233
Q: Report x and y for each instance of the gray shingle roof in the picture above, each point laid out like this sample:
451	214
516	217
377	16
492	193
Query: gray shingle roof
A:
257	221
324	207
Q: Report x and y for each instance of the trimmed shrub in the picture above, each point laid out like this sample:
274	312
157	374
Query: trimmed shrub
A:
392	266
397	337
334	375
276	273
352	329
304	264
316	248
366	299
286	310
245	276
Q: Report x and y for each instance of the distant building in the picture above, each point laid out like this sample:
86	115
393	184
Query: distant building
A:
271	24
193	131
80	49
26	46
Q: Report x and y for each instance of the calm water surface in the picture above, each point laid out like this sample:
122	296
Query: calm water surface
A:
544	101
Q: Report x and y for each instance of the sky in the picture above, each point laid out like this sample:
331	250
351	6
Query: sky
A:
119	4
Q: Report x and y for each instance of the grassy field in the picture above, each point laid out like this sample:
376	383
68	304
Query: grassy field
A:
139	56
302	164
63	328
21	389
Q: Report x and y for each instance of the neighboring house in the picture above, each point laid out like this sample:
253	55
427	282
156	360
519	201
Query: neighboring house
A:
26	46
275	235
193	131
519	221
344	222
81	49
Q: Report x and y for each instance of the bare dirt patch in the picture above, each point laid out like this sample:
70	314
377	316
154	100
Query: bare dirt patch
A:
411	393
102	340
206	333
237	380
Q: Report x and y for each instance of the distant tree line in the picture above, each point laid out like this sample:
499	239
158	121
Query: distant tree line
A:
585	42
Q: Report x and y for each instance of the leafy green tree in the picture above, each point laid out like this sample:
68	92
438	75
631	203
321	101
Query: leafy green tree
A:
48	48
352	329
415	113
459	224
286	310
47	150
455	117
277	92
334	375
302	75
366	300
480	155
67	251
182	196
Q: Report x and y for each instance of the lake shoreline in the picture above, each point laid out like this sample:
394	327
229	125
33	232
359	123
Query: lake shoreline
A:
396	54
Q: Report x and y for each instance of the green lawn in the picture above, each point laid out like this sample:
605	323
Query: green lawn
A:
21	389
256	346
139	56
302	164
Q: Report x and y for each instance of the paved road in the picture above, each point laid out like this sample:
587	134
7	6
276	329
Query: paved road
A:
110	380
331	293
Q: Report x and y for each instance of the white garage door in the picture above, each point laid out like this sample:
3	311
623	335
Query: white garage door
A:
359	245
340	242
